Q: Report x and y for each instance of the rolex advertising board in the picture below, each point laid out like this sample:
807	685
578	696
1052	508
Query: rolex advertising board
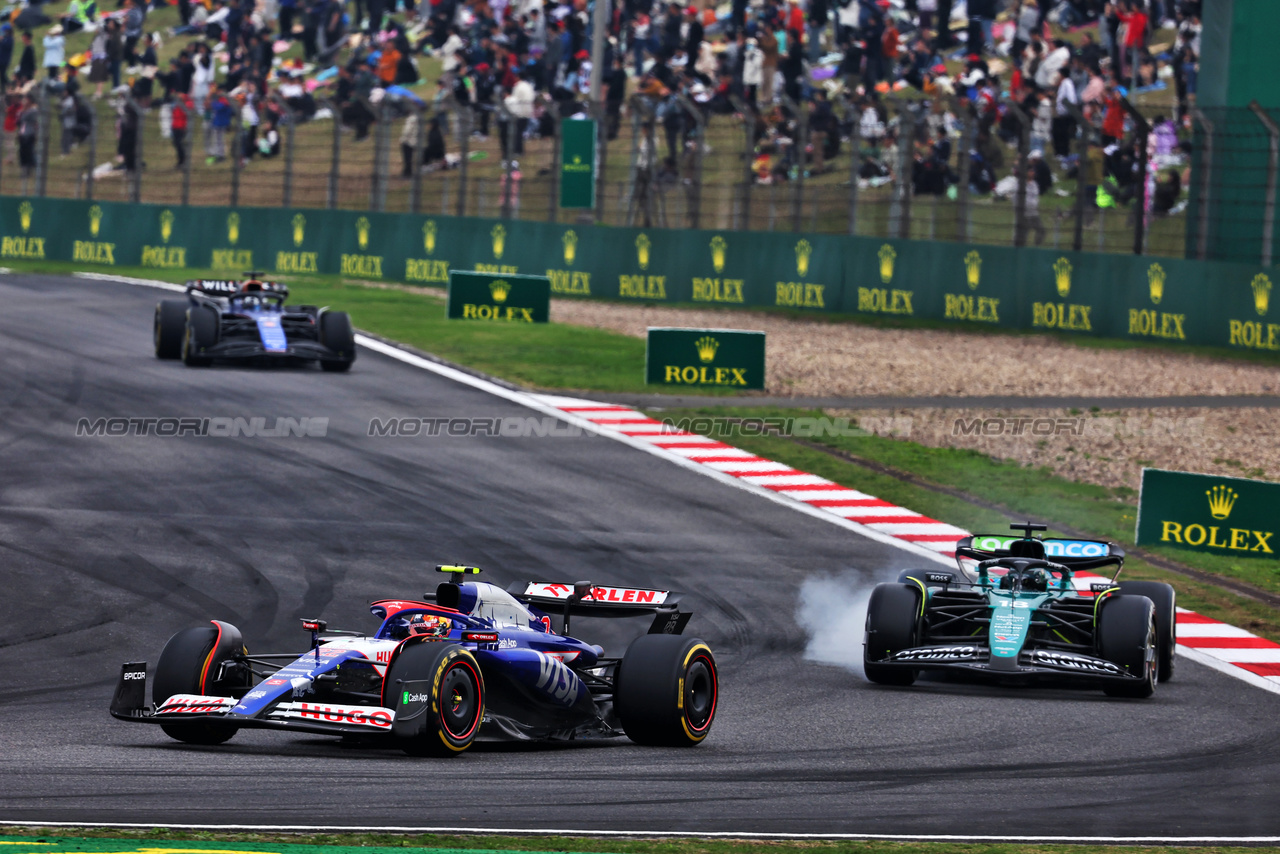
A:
1162	300
1222	515
496	298
707	358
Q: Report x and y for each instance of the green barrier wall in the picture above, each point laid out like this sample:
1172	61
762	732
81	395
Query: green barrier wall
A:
1172	300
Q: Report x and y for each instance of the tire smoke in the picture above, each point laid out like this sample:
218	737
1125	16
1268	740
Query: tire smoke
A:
832	611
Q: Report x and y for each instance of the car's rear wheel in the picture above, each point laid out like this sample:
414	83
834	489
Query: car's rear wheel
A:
169	327
190	664
667	690
1165	599
1127	638
337	335
892	620
437	692
201	334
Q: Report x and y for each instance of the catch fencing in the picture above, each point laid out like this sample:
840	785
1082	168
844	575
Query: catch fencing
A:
681	164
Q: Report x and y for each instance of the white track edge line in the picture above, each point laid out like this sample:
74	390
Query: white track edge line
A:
1233	670
699	834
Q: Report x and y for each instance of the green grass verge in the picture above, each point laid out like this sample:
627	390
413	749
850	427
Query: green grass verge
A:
86	838
1020	490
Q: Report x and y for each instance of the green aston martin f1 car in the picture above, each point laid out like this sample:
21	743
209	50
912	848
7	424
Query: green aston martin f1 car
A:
1014	611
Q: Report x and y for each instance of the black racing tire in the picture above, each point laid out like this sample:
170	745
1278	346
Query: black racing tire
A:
169	327
451	719
201	333
188	665
893	615
1127	638
336	334
667	690
1166	602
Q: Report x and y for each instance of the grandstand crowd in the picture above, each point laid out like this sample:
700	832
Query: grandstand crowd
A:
812	77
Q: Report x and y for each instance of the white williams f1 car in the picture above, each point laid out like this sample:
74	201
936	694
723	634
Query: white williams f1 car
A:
249	321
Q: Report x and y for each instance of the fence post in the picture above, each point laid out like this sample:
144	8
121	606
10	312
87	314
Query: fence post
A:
1142	133
1020	199
553	197
1206	174
695	188
135	184
1273	164
415	190
900	212
188	151
1082	155
855	165
968	123
508	131
602	143
800	147
93	154
464	149
42	142
629	194
237	147
748	151
331	200
381	133
287	112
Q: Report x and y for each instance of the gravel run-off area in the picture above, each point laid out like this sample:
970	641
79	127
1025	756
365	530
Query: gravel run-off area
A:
820	358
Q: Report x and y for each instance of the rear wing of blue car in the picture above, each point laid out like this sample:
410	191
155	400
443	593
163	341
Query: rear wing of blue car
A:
585	599
228	287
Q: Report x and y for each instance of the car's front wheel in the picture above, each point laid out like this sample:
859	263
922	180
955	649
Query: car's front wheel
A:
337	335
892	620
191	663
1165	600
201	334
1127	638
169	327
437	692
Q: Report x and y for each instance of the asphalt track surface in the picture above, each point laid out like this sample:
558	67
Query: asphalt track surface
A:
109	545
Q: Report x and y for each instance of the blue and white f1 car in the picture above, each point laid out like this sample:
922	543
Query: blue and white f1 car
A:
248	320
473	661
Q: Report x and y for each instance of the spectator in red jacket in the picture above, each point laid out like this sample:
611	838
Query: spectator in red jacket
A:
1113	120
1135	38
182	108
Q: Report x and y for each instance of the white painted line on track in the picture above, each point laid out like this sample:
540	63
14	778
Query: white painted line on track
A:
666	834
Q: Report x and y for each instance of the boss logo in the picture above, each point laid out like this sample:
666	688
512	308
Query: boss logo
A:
938	577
